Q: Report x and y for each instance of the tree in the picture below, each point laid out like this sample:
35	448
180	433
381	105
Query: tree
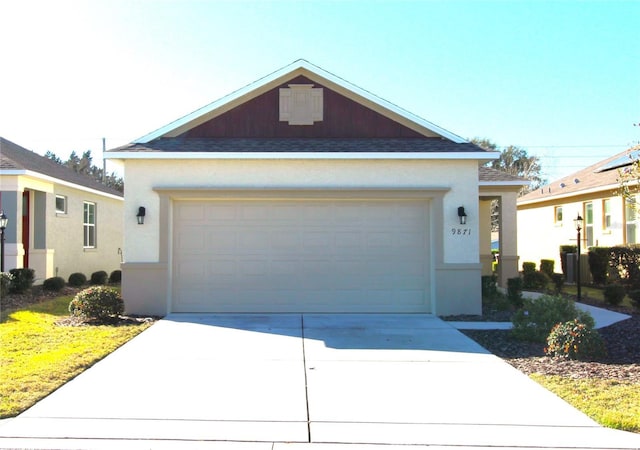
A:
629	177
515	161
84	165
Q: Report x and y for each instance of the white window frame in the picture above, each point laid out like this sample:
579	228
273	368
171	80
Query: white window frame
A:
588	225
557	215
64	208
607	218
89	225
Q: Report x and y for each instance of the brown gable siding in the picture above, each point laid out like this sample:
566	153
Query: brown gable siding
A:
259	118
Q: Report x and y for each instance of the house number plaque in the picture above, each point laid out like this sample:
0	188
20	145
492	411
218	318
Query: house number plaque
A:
461	231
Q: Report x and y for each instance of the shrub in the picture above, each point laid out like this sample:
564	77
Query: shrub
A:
634	295
99	277
115	277
22	280
558	281
574	340
97	302
514	291
599	263
77	279
535	281
546	266
536	318
624	263
614	294
528	267
5	283
489	286
54	284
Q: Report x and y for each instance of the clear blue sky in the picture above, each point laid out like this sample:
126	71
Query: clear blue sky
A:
561	79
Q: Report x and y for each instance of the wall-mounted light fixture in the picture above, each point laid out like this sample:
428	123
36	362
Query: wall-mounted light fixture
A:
140	216
462	215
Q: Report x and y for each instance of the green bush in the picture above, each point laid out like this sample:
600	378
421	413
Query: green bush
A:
5	283
536	318
575	340
599	263
115	277
77	279
489	286
528	267
546	266
514	291
54	284
22	280
97	302
634	295
99	277
614	294
558	281
535	281
624	263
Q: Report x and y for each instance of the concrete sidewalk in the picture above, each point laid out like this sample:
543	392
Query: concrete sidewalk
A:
602	317
301	382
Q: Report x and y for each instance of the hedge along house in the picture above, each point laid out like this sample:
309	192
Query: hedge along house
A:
60	221
304	193
546	215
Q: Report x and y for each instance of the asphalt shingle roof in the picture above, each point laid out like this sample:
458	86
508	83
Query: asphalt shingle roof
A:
15	157
488	174
286	145
589	178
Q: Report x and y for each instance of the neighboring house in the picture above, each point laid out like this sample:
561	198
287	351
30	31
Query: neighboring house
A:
546	215
304	193
60	221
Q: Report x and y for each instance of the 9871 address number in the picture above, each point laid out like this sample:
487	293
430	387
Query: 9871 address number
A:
461	231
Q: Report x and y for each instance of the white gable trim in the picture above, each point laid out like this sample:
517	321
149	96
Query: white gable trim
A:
39	176
300	67
303	155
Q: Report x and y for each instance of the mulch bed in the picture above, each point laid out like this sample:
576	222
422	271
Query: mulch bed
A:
621	363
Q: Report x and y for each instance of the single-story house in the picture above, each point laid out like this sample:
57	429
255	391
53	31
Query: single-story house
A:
304	193
60	222
546	215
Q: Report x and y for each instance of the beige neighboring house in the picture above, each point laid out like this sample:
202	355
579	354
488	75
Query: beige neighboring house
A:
60	222
304	193
546	215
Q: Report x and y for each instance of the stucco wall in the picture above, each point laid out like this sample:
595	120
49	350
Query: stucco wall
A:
539	237
458	176
65	233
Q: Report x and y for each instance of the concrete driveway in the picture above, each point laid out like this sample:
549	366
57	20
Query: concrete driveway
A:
295	379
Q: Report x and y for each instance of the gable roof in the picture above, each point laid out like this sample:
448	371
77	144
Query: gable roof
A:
600	176
15	159
298	68
492	177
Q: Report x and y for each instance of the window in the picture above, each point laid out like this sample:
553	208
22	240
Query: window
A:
89	225
588	224
558	215
631	216
606	214
61	204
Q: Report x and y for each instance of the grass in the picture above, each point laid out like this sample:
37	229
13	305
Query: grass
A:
612	403
593	293
37	356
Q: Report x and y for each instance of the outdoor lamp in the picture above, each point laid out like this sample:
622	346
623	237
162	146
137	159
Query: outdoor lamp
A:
3	224
140	216
462	215
579	222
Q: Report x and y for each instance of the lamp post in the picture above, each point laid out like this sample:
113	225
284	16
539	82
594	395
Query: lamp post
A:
578	221
3	225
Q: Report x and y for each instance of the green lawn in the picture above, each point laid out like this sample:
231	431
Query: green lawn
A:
593	293
612	403
37	356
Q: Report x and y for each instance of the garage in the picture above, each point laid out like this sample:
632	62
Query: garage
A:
301	255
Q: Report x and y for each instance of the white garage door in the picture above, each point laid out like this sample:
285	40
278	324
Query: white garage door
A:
301	256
